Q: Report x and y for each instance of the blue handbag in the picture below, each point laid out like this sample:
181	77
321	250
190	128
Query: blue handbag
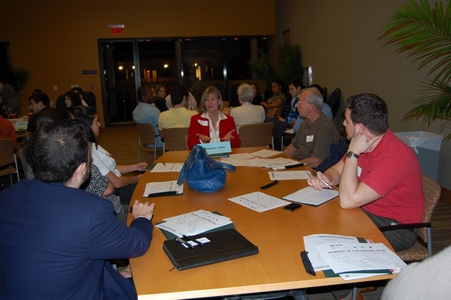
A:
202	173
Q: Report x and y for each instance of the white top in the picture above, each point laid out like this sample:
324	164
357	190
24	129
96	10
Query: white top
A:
103	160
247	113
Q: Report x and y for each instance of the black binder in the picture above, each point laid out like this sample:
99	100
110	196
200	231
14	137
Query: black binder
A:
224	245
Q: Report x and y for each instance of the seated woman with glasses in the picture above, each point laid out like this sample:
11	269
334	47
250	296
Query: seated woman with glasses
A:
211	125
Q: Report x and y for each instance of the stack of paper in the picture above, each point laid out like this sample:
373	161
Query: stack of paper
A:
193	223
258	201
349	258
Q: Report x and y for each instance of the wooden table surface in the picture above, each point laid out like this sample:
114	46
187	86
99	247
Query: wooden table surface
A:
277	233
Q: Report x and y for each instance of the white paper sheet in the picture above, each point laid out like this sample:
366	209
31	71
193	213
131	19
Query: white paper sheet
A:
351	257
311	241
162	186
193	223
167	167
259	201
266	153
289	175
311	196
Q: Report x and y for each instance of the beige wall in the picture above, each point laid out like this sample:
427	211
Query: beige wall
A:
57	39
339	40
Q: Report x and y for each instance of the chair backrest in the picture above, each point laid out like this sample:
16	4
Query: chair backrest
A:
334	101
432	191
175	138
6	152
146	133
324	92
256	135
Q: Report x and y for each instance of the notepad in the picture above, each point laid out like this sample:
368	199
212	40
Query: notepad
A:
163	188
311	196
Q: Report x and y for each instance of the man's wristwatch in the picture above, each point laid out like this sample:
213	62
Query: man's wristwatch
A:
352	154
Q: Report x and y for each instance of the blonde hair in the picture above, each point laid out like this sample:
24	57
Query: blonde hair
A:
211	90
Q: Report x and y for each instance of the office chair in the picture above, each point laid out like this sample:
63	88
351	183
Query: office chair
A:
334	101
147	136
256	135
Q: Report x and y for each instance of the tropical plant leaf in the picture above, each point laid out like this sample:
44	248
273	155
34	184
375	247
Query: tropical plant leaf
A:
23	76
424	33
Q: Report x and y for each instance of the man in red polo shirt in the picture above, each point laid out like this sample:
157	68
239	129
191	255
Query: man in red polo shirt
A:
379	172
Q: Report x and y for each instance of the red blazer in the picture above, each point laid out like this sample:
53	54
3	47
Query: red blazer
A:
225	126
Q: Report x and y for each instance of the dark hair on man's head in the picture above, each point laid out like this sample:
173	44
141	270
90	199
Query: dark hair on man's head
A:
297	83
41	97
86	115
143	91
52	115
177	93
57	150
369	110
35	91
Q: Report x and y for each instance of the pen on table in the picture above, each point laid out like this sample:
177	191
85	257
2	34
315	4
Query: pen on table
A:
270	184
322	180
183	242
164	164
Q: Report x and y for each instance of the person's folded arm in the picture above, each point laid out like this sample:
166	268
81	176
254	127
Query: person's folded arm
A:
109	190
289	150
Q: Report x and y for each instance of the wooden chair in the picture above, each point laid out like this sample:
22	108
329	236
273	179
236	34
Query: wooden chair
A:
8	160
147	136
423	247
256	135
175	139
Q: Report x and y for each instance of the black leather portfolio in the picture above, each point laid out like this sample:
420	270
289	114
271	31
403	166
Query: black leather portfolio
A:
224	245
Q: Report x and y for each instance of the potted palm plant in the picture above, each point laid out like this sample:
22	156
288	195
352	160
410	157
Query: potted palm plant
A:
424	32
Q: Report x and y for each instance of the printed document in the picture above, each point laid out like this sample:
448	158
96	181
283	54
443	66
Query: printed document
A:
162	187
289	175
167	167
193	223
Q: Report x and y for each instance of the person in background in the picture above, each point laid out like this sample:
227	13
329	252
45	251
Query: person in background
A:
160	101
39	102
192	103
212	125
7	130
177	116
72	100
147	112
311	145
275	104
325	109
124	185
9	100
379	173
247	113
80	93
55	238
258	98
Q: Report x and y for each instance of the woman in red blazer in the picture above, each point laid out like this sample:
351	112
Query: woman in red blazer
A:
212	125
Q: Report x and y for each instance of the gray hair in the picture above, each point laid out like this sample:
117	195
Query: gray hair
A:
245	92
315	97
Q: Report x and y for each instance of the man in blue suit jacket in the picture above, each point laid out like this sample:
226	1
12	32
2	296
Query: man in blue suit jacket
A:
54	238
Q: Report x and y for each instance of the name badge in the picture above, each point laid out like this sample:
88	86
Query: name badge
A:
359	171
309	138
203	122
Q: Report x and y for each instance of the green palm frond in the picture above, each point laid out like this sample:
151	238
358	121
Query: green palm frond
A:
424	33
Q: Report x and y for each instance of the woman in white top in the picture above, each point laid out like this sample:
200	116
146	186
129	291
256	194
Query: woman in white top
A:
125	185
247	113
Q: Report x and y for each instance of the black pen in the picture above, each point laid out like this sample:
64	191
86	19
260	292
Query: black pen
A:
294	166
270	184
183	242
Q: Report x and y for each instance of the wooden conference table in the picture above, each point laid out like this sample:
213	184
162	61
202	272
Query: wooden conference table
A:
277	233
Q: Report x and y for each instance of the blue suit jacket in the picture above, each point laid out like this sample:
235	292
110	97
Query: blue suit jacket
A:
54	241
